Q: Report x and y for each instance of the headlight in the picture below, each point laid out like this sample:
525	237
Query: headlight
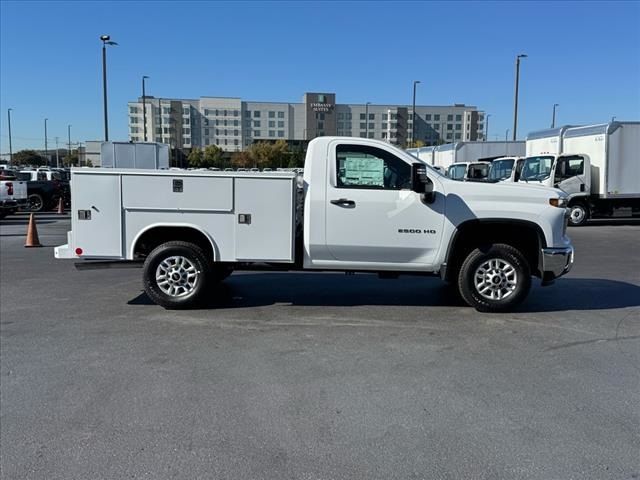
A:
560	202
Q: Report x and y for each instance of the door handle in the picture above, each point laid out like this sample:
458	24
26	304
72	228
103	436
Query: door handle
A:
343	202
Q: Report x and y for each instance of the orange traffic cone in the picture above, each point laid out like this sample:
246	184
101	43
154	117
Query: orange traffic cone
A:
60	206
32	233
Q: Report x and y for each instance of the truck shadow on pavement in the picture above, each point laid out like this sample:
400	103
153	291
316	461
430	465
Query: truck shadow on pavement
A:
245	290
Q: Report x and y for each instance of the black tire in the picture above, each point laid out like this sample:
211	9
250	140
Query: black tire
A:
35	202
187	292
578	214
509	289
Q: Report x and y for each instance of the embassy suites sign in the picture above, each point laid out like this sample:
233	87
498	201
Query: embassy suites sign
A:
321	107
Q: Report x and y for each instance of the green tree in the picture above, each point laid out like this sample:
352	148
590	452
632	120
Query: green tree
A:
212	156
195	158
272	155
241	160
28	157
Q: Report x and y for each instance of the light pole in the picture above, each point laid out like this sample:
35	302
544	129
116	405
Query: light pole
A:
46	150
486	126
69	139
506	135
106	40
413	113
144	108
515	106
553	119
366	118
10	148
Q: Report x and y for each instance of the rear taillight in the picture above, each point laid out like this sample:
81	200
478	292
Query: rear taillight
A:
9	188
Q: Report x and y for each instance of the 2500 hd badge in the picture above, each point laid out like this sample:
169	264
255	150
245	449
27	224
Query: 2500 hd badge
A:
416	230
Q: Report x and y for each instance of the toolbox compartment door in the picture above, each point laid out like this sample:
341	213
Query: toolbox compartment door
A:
265	219
97	215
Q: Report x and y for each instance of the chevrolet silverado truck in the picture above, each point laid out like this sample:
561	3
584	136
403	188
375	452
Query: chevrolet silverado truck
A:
13	193
361	206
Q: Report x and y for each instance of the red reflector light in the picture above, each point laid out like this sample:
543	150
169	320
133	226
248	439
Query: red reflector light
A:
78	251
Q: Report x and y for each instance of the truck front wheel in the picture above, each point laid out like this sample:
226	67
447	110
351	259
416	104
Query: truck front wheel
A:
578	214
176	275
494	278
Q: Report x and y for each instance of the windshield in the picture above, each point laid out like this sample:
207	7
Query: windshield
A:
23	176
456	172
536	168
478	171
500	169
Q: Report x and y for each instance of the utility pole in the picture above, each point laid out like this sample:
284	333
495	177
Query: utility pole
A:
10	148
515	105
57	155
144	108
486	126
69	139
553	119
366	118
413	113
46	149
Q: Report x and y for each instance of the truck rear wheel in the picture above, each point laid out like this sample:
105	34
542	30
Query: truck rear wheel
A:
176	275
36	202
495	278
578	214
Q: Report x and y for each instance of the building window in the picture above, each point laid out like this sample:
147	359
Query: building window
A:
363	126
449	118
384	125
427	116
217	132
272	133
187	141
256	123
186	131
225	123
206	132
225	133
281	133
133	109
384	134
320	125
372	126
436	126
134	120
206	121
448	136
436	117
206	112
458	118
394	116
347	116
280	124
458	126
272	114
224	113
272	123
256	114
206	141
158	131
280	114
457	136
166	110
235	142
235	133
158	139
449	126
340	125
384	116
247	123
186	121
247	113
256	133
235	123
165	130
340	116
362	116
372	116
363	134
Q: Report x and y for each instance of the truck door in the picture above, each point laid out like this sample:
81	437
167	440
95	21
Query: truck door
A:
570	174
372	215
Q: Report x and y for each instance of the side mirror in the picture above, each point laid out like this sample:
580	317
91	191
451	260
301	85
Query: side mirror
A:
420	181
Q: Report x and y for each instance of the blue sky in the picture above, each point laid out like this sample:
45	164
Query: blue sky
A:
583	55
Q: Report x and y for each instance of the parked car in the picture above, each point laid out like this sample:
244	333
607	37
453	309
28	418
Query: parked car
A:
44	189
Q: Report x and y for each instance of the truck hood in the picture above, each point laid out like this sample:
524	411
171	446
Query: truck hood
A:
524	191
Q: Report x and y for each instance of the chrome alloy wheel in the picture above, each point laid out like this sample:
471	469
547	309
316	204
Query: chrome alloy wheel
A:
495	279
577	214
177	276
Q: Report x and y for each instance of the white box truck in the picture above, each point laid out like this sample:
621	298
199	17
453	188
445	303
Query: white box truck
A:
362	206
598	166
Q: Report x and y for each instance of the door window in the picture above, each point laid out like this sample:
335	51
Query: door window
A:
361	166
569	167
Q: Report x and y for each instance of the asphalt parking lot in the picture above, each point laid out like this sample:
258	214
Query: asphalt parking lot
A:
318	376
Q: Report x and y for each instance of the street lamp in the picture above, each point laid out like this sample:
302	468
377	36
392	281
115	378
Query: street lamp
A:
553	119
46	150
413	114
366	118
10	148
144	108
515	106
106	40
486	126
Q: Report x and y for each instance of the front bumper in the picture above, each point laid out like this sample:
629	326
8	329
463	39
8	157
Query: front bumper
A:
556	262
8	204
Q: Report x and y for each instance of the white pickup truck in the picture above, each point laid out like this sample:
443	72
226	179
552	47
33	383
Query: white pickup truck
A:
362	206
13	195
